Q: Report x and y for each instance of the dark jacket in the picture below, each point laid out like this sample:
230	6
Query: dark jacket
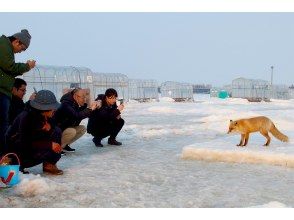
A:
26	132
8	68
69	114
103	116
16	107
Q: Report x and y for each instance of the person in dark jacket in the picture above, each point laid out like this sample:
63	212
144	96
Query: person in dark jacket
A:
33	136
9	69
17	104
106	121
69	115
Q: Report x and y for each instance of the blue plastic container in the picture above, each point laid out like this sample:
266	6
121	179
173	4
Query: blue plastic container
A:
9	174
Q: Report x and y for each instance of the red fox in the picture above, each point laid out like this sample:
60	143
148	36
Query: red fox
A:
261	124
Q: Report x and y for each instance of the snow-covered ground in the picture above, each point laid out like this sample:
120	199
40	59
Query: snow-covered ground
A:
157	166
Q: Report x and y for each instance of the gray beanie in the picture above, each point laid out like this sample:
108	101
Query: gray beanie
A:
24	36
45	100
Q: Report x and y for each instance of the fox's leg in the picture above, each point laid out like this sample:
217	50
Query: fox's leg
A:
246	139
268	138
242	140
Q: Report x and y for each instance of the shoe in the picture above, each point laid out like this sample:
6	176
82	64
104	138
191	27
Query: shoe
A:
68	148
62	153
51	169
114	142
97	142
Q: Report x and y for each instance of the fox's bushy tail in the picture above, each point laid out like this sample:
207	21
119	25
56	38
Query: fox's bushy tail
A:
278	134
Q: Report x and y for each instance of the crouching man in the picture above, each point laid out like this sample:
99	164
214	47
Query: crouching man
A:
33	136
69	115
106	121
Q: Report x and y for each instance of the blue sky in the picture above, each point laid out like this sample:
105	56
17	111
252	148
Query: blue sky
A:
195	47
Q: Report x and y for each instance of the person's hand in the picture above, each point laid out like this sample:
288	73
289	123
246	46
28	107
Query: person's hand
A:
31	63
99	104
118	117
33	96
121	107
95	104
56	147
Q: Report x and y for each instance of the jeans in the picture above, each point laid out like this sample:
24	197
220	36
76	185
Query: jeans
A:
4	119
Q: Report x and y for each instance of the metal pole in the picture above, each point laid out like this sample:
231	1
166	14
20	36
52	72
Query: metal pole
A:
272	74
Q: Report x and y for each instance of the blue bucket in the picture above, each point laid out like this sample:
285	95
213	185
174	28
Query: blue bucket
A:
9	174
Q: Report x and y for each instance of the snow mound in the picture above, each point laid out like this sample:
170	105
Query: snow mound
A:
166	99
230	156
132	101
273	204
32	185
159	109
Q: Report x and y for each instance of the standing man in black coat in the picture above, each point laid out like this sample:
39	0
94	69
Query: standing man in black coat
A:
69	115
106	121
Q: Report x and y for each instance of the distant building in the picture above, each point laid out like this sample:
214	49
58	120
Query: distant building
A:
201	88
177	91
258	90
251	89
280	92
291	92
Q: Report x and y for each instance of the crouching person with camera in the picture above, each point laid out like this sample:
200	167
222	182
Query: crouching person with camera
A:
69	115
106	121
34	137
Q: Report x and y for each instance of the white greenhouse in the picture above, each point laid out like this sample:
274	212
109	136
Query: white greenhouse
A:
177	91
291	92
281	92
58	79
143	90
251	89
117	81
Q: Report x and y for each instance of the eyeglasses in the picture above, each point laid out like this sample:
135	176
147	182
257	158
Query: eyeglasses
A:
23	90
82	97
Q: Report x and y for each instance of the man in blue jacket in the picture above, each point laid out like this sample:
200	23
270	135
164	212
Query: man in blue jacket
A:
9	69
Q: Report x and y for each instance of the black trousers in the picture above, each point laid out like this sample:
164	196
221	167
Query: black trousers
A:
4	120
39	155
112	129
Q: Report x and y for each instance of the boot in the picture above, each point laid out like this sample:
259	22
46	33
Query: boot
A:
51	169
112	141
97	142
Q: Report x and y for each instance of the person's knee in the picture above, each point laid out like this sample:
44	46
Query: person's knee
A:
67	136
82	129
69	132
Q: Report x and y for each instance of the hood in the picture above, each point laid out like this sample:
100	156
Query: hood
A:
67	98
